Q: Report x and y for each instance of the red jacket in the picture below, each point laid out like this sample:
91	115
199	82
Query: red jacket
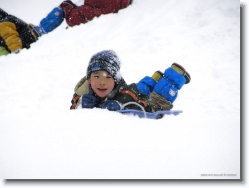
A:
76	15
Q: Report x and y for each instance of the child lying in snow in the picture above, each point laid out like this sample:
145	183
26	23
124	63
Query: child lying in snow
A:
103	86
16	34
76	15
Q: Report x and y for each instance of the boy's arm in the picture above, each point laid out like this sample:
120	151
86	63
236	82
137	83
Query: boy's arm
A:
82	87
10	35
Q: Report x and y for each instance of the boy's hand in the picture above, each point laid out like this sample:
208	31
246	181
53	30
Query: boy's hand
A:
89	100
110	105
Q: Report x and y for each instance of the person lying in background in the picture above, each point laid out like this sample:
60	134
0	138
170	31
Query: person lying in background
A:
15	34
75	15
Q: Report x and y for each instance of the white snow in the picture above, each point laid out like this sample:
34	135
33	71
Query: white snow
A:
41	138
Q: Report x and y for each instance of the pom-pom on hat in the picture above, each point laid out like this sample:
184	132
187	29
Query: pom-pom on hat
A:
181	70
106	60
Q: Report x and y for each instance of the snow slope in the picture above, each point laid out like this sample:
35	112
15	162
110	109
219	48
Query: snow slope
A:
41	138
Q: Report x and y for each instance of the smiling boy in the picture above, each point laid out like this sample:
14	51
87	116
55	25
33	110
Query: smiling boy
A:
102	83
103	86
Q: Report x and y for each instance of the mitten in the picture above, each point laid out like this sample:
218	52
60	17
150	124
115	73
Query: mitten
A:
110	105
89	100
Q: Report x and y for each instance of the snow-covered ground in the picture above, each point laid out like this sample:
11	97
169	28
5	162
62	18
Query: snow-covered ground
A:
41	138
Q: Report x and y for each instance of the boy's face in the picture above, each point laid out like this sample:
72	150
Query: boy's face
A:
102	83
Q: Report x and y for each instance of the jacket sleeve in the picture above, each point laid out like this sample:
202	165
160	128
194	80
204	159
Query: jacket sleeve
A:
10	36
82	87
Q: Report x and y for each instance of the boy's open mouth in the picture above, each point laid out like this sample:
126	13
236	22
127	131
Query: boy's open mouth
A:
102	89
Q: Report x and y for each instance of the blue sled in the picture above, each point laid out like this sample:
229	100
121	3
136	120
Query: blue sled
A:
149	115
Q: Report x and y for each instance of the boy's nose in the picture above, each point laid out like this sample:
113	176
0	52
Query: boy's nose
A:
102	82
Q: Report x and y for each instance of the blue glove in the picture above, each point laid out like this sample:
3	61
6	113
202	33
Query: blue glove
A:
88	100
110	105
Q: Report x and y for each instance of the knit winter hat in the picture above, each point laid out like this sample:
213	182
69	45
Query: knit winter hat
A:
106	60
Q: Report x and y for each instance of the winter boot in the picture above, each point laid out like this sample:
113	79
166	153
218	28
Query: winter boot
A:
174	78
37	31
146	85
180	69
52	20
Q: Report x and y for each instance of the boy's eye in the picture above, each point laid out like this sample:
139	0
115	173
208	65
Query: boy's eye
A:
96	76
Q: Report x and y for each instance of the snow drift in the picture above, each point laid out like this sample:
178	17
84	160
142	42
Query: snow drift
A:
41	138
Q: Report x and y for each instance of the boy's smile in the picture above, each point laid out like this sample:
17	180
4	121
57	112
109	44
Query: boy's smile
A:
102	83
